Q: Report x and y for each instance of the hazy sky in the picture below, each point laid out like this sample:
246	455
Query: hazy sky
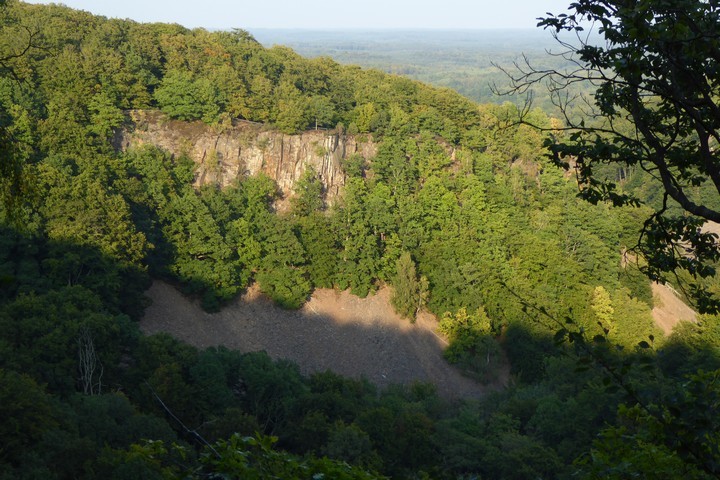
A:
250	14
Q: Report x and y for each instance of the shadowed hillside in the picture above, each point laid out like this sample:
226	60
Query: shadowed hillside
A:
334	330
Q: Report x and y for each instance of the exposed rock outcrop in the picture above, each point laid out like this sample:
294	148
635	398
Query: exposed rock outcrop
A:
247	148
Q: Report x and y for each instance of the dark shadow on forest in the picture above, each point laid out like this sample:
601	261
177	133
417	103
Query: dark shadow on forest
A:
51	290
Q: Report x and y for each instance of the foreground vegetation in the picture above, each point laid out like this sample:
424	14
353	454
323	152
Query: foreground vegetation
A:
462	216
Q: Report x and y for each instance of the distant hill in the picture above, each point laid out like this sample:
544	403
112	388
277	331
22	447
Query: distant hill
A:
459	59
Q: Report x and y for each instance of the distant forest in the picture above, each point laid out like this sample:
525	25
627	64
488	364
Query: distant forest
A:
465	60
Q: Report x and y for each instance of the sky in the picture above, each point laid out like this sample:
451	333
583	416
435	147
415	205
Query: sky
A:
362	14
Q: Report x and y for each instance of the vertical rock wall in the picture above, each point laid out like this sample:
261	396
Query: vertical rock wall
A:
246	149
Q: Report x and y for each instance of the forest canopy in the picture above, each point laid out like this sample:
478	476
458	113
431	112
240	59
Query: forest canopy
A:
460	211
654	108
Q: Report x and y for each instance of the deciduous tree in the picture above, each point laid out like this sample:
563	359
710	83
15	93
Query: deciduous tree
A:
409	292
656	107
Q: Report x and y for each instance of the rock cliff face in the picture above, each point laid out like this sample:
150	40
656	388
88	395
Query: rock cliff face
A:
247	148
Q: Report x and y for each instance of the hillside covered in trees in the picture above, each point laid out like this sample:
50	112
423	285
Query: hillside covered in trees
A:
464	60
458	210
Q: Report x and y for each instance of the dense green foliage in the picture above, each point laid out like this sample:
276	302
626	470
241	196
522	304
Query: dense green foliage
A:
463	60
462	216
659	111
409	292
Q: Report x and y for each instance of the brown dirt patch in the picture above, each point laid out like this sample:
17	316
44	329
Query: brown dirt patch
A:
334	330
669	310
